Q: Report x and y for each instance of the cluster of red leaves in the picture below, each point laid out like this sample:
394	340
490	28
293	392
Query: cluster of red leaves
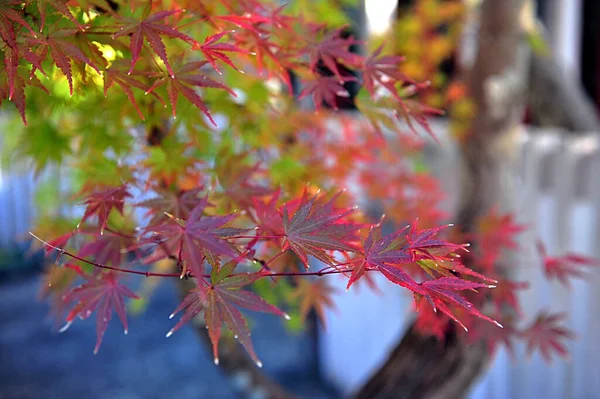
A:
564	267
202	240
497	232
210	250
264	40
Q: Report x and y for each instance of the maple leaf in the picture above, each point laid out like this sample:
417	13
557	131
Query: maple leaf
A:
495	337
237	175
266	216
267	52
219	300
314	295
217	51
387	255
315	229
60	6
383	71
441	293
106	249
12	54
116	74
408	245
546	335
496	231
62	52
176	203
564	267
330	50
505	295
100	203
197	238
247	21
325	90
152	30
183	82
8	15
18	85
100	293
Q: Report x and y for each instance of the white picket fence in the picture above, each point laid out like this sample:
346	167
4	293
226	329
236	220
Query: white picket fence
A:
559	198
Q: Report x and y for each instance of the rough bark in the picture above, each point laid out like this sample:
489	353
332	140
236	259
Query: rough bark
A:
420	367
423	367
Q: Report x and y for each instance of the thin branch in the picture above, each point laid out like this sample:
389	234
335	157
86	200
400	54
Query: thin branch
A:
323	272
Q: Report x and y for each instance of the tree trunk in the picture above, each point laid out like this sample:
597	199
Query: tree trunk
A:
421	366
559	100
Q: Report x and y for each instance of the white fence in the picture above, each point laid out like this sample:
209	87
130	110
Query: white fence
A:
559	198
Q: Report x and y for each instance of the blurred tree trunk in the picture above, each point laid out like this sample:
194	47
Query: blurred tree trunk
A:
420	366
559	100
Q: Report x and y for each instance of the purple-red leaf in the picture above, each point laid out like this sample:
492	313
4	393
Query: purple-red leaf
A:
100	204
184	81
197	238
547	335
316	228
220	300
152	30
567	266
214	51
101	293
441	292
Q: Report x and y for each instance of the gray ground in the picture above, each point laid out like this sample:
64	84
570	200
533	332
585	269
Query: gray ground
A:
37	363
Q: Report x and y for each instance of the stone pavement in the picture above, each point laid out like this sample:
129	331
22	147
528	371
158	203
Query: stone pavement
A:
36	363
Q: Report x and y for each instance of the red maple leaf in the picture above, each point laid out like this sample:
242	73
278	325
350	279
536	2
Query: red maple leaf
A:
505	295
270	56
116	74
564	267
17	85
316	228
442	293
219	300
194	239
176	203
214	51
266	215
60	6
62	51
314	295
184	82
8	15
330	50
100	293
325	89
387	255
106	249
247	21
152	30
383	71
390	253
495	232
101	203
546	335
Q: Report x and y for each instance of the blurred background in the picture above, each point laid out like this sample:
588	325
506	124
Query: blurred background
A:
559	198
